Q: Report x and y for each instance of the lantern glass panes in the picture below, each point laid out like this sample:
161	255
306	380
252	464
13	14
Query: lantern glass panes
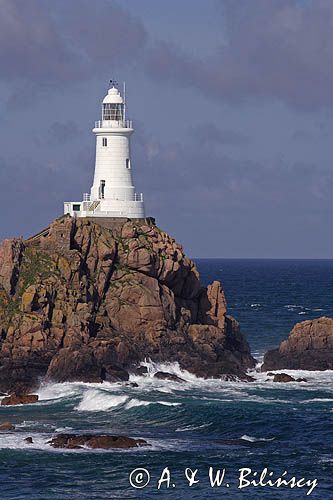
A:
113	111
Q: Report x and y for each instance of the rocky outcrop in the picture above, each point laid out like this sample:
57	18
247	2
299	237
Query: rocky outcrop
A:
89	303
75	441
308	347
7	426
16	399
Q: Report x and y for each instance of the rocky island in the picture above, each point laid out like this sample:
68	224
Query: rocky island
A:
308	347
88	301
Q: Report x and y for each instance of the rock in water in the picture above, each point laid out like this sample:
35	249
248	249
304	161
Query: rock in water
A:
283	377
308	347
168	376
17	399
74	441
7	426
84	302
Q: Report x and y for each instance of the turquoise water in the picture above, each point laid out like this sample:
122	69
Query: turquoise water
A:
285	426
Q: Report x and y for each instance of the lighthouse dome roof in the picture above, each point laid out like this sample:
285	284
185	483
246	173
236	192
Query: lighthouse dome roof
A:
113	96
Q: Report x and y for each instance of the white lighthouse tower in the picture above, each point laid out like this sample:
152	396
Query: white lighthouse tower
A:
112	193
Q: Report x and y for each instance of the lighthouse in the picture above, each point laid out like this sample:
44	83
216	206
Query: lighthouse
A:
112	193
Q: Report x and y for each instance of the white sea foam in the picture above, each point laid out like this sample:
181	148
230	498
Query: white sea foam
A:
318	400
95	400
94	397
168	403
252	439
134	403
295	306
49	392
16	441
188	428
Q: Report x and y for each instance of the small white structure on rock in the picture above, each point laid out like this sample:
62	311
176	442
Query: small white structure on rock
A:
112	193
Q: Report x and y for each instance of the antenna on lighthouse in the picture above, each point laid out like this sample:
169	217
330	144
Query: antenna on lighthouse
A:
124	94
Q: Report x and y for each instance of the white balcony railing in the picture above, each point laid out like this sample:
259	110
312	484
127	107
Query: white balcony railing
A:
113	124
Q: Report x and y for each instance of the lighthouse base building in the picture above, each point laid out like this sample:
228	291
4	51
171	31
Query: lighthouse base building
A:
112	193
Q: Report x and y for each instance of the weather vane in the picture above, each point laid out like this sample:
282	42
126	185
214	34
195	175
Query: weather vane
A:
114	83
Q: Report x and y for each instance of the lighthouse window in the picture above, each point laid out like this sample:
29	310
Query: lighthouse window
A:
76	208
113	111
128	163
105	141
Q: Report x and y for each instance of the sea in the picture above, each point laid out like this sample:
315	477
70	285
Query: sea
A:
209	438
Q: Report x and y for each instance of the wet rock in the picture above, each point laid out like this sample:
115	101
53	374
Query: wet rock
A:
140	370
283	377
19	399
74	441
168	376
29	440
7	426
308	347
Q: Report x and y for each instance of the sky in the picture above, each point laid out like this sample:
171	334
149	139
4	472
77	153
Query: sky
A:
232	103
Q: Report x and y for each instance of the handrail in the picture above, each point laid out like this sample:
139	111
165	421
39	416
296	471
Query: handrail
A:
113	124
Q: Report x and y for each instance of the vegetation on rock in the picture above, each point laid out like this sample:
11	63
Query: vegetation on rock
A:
89	303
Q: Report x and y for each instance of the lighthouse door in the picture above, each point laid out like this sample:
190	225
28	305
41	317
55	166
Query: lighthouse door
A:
101	190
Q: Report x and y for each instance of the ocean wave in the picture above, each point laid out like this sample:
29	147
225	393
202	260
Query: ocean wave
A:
32	424
135	403
252	439
48	392
16	441
318	400
167	403
95	400
193	427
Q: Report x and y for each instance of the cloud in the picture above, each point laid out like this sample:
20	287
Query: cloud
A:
209	133
34	190
44	45
191	178
62	132
273	50
31	48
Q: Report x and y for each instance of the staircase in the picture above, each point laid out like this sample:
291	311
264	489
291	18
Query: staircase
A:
92	207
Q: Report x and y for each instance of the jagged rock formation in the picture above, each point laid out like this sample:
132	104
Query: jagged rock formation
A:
308	347
83	302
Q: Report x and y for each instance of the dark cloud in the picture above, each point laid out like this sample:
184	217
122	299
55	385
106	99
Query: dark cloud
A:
275	50
31	47
34	190
208	181
44	44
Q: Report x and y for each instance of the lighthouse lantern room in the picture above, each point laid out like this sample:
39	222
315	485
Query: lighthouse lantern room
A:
112	193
